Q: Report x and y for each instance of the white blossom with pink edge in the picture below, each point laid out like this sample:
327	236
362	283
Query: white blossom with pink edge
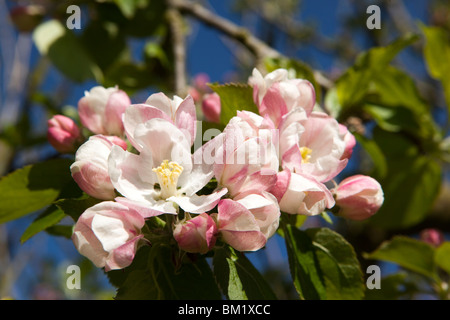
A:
247	159
315	148
101	110
298	193
90	169
180	112
164	174
276	94
108	234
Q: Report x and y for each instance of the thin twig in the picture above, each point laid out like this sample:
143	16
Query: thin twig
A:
254	45
179	47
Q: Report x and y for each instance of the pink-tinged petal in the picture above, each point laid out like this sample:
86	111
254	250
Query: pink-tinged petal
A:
264	207
211	107
63	134
307	95
90	169
150	208
197	235
131	174
233	215
292	159
123	256
97	116
432	236
323	139
186	118
273	105
358	197
137	114
244	241
238	226
90	117
281	184
199	204
164	141
306	196
107	234
115	107
203	165
162	102
258	182
117	141
93	180
350	141
88	245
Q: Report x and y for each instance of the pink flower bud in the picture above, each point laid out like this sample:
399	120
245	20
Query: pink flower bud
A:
197	235
63	134
211	107
90	169
26	18
358	197
201	82
108	234
101	110
432	236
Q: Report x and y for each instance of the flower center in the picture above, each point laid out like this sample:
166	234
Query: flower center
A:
306	154
168	174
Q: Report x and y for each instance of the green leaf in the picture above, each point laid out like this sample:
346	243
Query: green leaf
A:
238	278
338	263
394	287
437	56
60	230
233	98
442	257
377	157
32	188
411	184
411	254
48	218
105	42
155	276
127	7
396	104
58	43
354	84
305	270
75	207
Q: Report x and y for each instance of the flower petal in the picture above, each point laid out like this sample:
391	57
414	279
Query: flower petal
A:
199	204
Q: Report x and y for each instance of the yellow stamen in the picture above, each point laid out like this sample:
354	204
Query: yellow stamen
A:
306	154
168	174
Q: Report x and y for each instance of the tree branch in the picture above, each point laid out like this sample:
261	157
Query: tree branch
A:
179	48
257	47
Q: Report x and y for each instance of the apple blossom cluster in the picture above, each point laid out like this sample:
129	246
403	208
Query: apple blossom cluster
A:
141	162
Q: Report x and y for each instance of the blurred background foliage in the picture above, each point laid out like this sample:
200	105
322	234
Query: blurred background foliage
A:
390	86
